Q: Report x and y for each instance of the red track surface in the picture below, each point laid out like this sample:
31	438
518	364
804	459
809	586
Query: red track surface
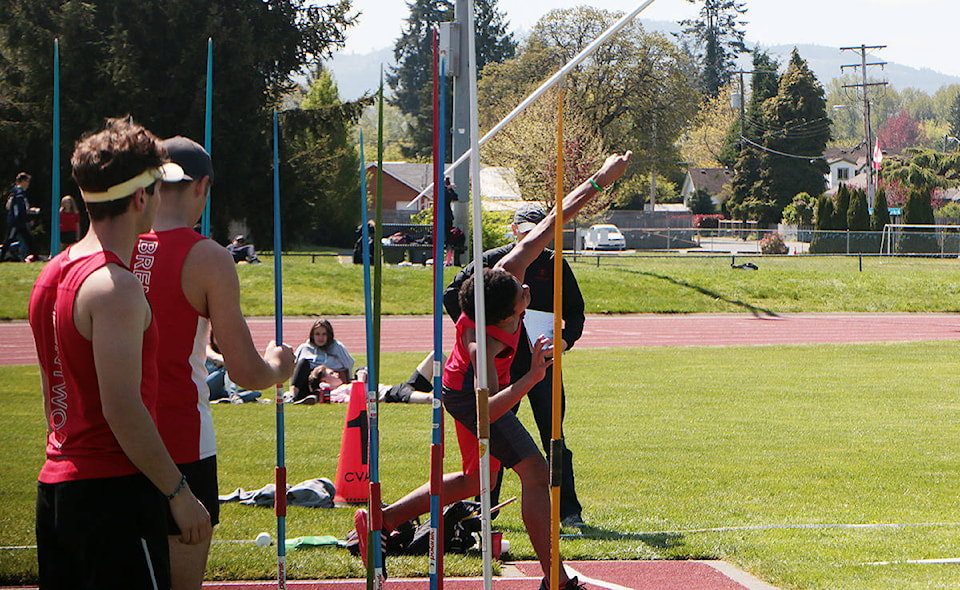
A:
599	575
415	333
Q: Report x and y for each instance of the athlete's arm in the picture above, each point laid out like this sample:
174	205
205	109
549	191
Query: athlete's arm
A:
527	250
211	284
112	313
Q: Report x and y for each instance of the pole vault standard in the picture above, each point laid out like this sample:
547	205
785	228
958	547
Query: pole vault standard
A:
556	448
439	225
552	80
280	473
55	167
208	134
375	577
483	391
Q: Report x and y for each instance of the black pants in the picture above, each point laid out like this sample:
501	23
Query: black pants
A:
541	404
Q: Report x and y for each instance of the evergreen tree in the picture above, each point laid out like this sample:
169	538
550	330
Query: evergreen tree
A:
841	207
763	86
881	214
324	166
955	117
824	215
412	78
858	214
796	131
718	35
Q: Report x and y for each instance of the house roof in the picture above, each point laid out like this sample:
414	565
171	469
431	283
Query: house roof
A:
711	180
855	155
501	191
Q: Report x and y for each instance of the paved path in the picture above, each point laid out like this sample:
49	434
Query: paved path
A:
415	333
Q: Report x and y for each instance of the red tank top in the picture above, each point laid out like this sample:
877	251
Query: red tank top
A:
80	444
458	364
183	409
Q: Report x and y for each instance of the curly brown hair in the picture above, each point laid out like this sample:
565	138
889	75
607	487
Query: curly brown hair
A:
120	151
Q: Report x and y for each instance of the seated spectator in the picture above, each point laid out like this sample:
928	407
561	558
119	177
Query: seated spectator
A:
321	348
324	382
221	388
242	251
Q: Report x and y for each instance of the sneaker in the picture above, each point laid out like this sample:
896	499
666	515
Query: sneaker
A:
573	521
572	584
308	401
360	521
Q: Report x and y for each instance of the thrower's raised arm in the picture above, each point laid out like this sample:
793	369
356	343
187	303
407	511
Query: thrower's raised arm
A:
527	250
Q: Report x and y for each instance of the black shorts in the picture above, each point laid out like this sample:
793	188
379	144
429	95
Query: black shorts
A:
102	534
202	478
510	442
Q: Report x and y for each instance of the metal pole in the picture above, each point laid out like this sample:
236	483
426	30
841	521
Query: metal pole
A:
55	167
280	473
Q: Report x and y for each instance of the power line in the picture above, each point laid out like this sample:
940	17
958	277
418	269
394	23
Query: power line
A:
779	153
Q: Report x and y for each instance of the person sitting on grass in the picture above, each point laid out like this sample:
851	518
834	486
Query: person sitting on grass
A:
415	390
320	348
510	444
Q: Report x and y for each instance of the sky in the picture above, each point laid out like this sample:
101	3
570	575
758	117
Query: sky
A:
917	33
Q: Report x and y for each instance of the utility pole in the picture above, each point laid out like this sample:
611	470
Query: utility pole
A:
864	86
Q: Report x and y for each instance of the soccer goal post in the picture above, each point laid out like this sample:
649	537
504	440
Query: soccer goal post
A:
910	238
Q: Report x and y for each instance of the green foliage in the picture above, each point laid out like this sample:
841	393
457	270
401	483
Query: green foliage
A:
718	36
955	116
824	216
881	214
148	59
324	166
801	210
858	215
772	243
701	203
746	180
841	205
950	210
796	123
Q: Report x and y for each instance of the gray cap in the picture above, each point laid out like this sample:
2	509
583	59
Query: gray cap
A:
528	216
191	156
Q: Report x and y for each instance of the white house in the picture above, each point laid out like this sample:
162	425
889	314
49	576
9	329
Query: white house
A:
845	164
711	180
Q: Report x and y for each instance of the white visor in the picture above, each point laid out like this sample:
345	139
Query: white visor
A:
168	172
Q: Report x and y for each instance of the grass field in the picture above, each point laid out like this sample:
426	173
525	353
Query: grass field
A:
616	285
667	442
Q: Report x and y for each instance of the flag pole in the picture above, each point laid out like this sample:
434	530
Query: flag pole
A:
280	495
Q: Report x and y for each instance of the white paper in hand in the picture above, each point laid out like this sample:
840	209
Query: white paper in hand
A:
537	324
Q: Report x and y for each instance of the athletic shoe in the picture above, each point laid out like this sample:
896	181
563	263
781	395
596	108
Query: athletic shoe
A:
308	401
360	518
573	521
572	584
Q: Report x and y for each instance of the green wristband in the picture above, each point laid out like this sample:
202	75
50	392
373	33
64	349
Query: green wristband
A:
595	185
183	484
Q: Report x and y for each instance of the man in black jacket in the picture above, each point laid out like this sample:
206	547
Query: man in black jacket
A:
539	277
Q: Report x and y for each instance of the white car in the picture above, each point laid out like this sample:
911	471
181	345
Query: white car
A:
604	237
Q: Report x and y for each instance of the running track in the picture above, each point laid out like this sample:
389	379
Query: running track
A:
415	333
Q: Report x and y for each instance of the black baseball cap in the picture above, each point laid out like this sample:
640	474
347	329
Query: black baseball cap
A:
191	156
528	216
